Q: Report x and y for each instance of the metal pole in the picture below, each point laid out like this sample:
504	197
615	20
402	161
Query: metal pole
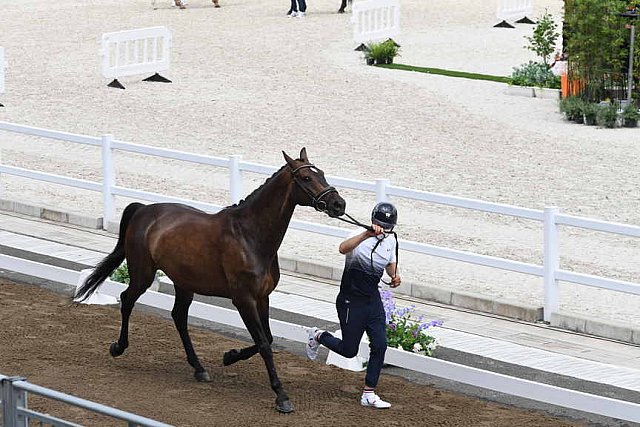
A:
630	78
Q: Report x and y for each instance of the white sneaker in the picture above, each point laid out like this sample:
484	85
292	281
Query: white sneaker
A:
312	343
293	14
301	14
373	400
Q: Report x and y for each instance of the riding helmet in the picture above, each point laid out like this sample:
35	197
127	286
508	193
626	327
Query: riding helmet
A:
385	215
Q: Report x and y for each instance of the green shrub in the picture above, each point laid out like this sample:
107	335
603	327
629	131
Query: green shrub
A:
630	112
381	53
534	74
543	41
121	274
590	112
571	107
607	115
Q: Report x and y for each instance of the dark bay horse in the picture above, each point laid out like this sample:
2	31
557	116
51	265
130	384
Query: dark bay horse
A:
232	254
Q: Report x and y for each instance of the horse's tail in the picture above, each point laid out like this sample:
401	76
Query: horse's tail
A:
112	261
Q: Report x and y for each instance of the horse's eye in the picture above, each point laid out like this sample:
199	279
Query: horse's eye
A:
306	178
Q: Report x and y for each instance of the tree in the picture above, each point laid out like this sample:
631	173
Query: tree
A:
543	41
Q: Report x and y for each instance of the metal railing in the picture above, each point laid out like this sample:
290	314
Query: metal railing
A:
16	413
550	217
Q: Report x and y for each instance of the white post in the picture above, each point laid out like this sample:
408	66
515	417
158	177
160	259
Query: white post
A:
108	181
381	190
235	177
12	398
551	262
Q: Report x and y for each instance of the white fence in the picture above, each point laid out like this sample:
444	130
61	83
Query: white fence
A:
16	413
1	70
375	20
539	392
550	217
513	10
145	50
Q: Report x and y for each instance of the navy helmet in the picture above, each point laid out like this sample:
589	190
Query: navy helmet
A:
385	215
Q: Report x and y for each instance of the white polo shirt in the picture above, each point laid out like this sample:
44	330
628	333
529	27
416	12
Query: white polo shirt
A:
364	269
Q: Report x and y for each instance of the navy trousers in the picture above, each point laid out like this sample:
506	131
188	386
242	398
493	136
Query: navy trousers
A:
359	315
300	5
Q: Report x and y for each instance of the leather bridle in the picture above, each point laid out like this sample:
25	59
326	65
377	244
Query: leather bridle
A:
316	199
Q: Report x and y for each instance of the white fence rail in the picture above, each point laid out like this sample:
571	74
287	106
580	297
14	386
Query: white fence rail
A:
550	217
145	50
539	392
16	413
513	10
375	20
2	65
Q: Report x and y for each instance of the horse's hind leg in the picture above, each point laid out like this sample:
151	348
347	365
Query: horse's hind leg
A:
180	315
233	356
141	278
343	6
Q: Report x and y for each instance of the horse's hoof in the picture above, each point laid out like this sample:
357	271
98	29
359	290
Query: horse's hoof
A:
203	376
115	349
341	11
284	407
230	357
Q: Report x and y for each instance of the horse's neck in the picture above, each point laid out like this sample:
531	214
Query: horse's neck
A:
271	209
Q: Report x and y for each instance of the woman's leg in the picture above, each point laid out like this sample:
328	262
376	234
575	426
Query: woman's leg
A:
353	316
377	331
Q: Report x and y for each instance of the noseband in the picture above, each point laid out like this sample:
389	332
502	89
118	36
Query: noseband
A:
316	200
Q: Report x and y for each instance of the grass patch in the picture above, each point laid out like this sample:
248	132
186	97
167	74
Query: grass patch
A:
450	73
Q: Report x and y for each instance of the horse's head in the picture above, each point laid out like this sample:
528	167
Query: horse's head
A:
312	188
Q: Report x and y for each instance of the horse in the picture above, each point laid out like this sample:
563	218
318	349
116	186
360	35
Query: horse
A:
232	254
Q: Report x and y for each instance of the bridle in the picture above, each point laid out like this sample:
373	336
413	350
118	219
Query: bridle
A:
316	199
320	205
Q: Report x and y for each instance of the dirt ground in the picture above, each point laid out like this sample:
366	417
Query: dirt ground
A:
65	347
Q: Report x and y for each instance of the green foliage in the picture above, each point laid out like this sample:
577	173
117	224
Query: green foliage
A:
630	112
571	107
608	115
121	274
382	53
543	40
590	111
594	37
534	74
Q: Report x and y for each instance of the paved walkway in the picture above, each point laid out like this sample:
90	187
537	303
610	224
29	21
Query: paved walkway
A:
530	346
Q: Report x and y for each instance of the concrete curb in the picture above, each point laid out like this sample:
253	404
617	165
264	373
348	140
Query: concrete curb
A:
475	302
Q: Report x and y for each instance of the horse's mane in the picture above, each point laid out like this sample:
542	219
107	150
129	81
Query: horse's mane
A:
257	191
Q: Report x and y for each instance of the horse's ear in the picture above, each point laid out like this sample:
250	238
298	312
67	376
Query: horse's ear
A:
303	155
289	160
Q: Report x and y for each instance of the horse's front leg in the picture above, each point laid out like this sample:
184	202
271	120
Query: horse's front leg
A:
215	3
343	6
233	356
248	309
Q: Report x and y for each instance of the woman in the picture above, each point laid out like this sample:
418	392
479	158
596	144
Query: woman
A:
368	255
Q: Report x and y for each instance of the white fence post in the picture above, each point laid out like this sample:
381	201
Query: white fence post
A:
108	181
235	177
1	72
551	262
381	190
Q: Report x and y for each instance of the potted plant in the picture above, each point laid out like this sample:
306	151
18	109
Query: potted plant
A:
607	115
589	112
630	114
381	53
571	107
